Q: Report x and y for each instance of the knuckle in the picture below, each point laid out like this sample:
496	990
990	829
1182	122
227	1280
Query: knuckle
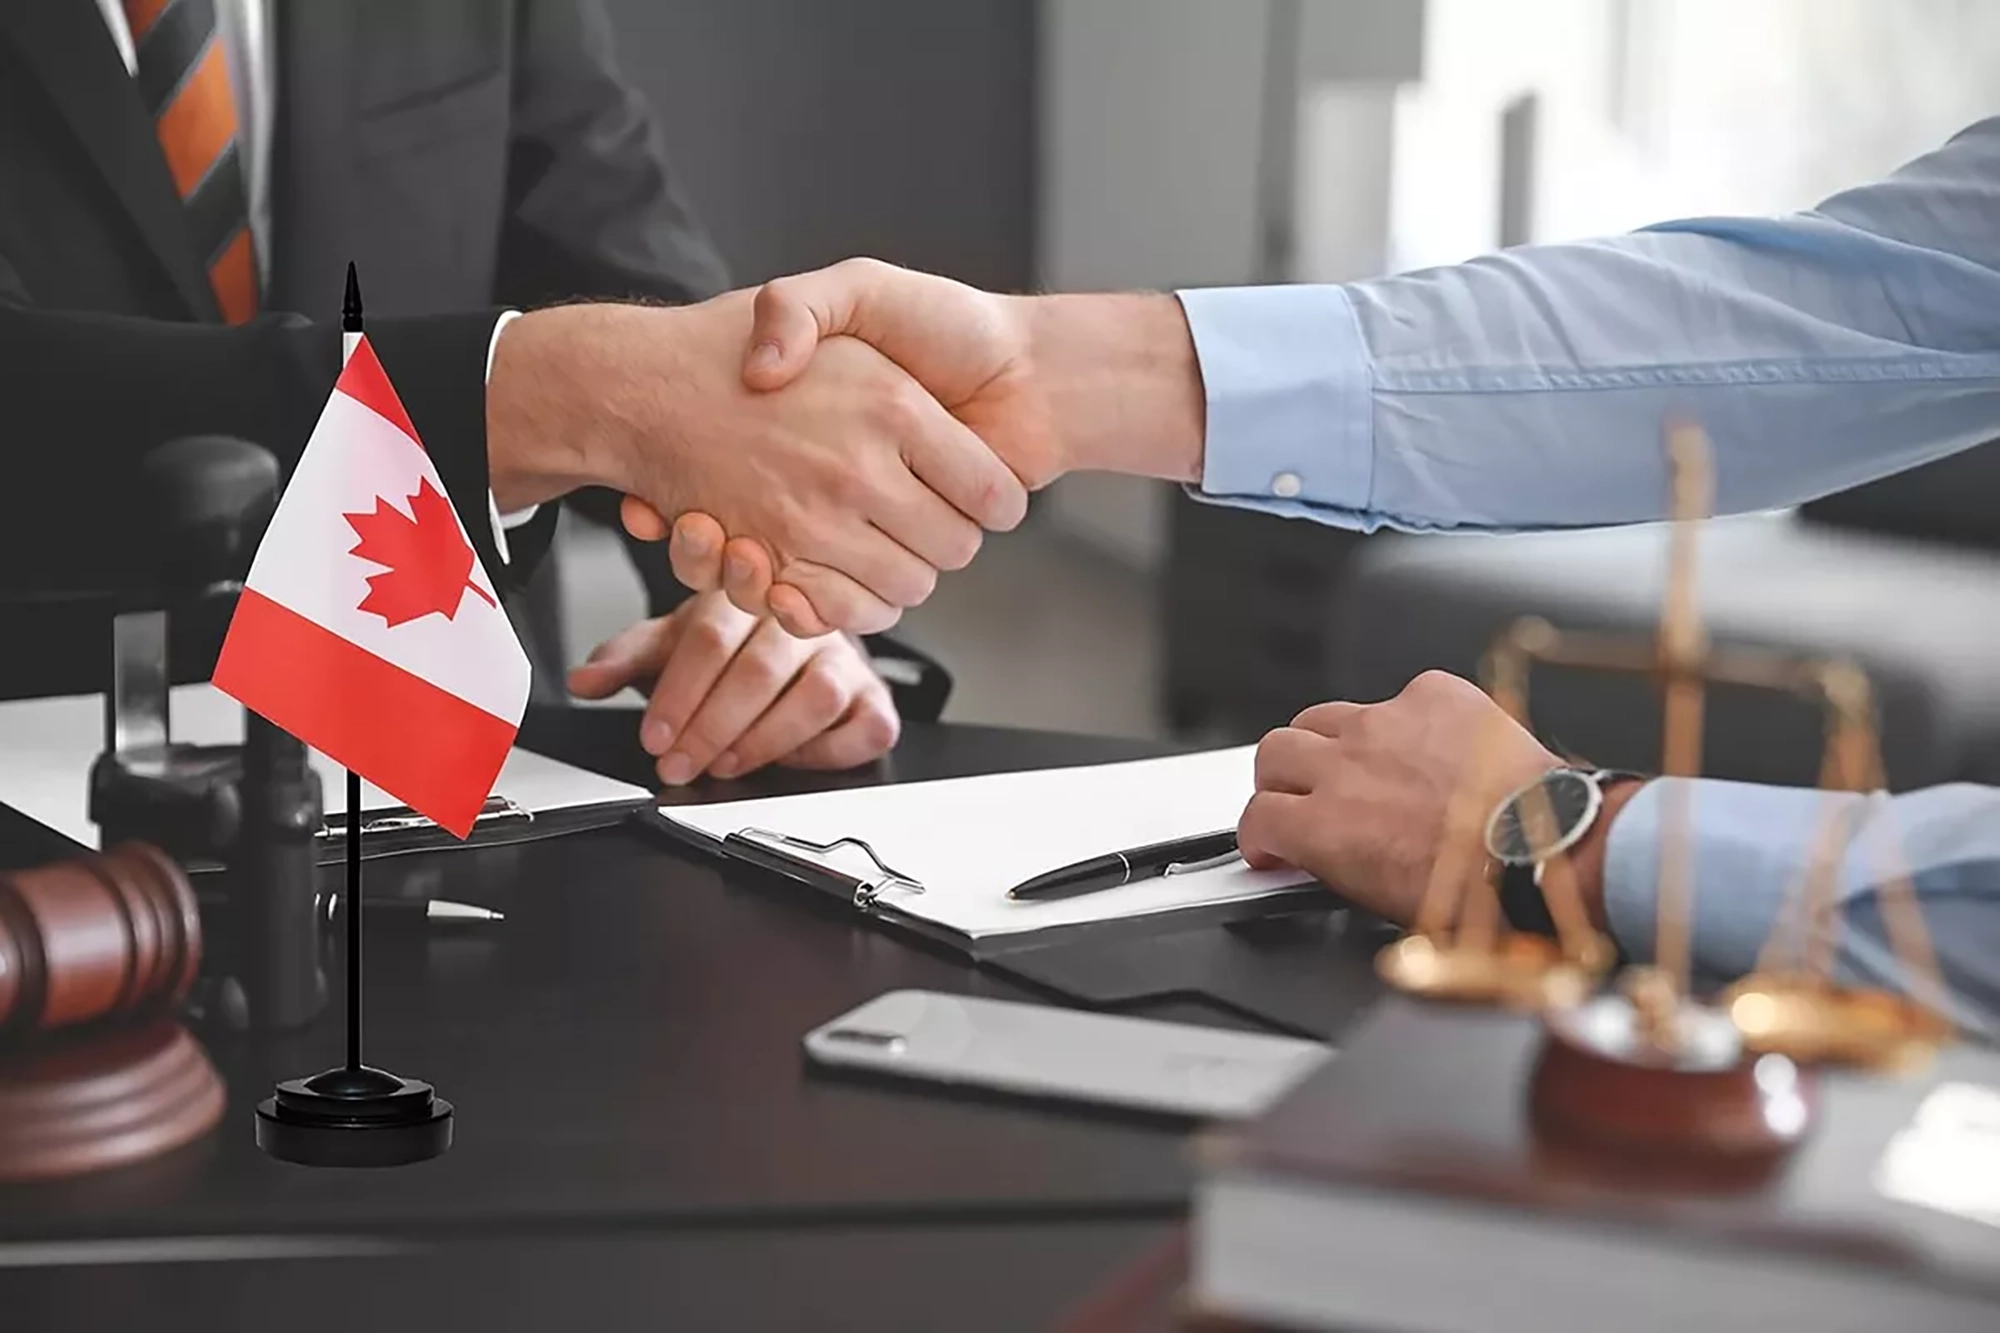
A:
1271	752
900	409
1251	825
777	294
878	727
1433	682
705	637
821	691
754	674
854	486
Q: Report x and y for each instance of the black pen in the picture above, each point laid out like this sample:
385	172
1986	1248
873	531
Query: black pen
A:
1109	871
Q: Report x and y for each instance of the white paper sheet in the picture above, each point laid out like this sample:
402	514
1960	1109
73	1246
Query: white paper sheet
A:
48	745
969	840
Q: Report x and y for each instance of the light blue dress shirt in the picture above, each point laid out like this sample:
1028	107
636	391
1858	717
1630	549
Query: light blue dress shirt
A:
1529	389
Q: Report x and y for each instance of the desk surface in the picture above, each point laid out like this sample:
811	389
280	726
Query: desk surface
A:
623	1053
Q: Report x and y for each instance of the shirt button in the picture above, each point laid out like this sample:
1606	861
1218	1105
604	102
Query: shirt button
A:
1286	485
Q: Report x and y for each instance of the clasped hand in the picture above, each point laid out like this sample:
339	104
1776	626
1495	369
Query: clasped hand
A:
961	351
855	481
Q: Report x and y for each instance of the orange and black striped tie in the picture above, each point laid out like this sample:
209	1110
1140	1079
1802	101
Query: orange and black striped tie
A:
183	77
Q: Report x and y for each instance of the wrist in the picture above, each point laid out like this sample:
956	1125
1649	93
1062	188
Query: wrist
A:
1120	382
555	415
1587	857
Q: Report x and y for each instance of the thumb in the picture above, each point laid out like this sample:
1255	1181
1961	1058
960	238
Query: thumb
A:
791	317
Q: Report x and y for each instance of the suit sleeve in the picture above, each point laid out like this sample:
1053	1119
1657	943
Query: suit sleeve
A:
593	211
87	395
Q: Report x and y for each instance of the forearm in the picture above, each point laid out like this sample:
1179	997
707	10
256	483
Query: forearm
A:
1122	385
1752	846
1529	388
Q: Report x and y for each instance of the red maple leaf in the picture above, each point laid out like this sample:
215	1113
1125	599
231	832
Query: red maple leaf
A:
429	563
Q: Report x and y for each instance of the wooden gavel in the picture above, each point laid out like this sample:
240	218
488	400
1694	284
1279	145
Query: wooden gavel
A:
113	936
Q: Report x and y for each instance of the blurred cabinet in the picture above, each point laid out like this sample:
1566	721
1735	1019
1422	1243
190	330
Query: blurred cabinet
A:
806	131
1246	617
1188	143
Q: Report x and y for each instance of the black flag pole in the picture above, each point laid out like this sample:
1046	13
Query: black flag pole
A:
354	1115
351	331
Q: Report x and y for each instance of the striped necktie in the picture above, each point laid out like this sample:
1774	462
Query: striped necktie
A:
183	78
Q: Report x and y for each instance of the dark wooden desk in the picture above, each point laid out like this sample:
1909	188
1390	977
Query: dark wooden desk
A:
635	1123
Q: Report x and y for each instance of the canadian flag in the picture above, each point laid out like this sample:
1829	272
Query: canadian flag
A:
367	628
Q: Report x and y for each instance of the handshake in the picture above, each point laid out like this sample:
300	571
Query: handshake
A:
819	449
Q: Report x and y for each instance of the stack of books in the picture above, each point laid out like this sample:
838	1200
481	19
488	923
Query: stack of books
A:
1404	1187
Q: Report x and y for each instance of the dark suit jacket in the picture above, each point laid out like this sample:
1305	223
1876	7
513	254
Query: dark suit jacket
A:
467	154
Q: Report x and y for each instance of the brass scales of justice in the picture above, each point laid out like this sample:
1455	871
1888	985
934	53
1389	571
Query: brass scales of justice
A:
1638	1060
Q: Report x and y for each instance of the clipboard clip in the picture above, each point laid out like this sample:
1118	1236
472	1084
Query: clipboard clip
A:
866	894
402	819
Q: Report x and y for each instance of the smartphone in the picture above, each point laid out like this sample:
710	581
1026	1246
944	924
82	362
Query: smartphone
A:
1041	1051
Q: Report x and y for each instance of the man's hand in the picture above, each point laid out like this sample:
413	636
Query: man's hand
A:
731	693
1051	383
1357	794
853	470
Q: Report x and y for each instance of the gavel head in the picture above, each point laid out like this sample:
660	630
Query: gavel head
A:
207	500
95	938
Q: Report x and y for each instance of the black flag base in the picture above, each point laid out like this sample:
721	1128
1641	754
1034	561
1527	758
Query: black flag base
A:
354	1117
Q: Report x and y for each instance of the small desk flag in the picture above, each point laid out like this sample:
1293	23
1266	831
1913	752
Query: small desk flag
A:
367	627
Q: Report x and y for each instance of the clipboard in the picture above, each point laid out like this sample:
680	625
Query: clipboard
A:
776	856
1299	963
1292	958
47	747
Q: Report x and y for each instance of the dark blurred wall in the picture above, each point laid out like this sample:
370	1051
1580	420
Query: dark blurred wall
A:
810	130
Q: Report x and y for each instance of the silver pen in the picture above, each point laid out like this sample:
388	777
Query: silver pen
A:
435	909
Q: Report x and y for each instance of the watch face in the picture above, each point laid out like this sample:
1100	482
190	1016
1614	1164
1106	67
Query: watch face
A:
1522	835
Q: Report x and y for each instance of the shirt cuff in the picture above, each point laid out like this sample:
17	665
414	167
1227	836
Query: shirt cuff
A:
503	522
1286	377
1749	849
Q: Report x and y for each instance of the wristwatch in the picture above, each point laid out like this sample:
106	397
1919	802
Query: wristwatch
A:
1572	799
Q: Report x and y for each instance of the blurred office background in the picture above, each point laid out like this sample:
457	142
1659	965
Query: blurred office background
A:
1088	144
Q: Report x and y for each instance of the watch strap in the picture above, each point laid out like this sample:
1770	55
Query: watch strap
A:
1521	900
1522	903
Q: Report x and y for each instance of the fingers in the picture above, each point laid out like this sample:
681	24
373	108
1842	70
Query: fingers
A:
747	575
1328	719
930	525
867	733
644	522
812	597
836	705
959	467
1272	831
696	552
632	657
1293	761
794	610
711	634
789	318
765	669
